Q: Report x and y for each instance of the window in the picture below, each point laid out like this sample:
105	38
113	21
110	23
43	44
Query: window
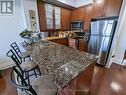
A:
49	16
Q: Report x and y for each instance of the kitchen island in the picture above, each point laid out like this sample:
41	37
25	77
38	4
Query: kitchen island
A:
68	67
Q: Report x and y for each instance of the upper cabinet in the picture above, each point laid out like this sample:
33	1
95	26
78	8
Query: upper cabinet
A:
42	16
113	7
99	8
49	16
65	19
52	17
57	17
78	14
88	16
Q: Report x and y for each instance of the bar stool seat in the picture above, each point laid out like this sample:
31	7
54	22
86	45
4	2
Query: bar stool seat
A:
27	68
24	55
43	85
28	65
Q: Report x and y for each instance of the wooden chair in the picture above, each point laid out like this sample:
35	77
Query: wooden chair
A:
22	55
26	68
40	86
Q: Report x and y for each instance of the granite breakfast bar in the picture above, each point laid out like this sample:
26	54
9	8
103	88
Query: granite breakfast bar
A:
66	66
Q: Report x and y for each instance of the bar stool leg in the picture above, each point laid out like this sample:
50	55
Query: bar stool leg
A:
38	70
24	59
35	72
28	77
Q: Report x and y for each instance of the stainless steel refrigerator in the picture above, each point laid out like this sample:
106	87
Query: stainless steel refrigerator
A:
100	37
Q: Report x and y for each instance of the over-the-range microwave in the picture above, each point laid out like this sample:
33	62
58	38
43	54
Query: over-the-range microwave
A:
76	25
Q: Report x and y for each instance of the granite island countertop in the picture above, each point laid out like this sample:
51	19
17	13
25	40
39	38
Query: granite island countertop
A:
61	63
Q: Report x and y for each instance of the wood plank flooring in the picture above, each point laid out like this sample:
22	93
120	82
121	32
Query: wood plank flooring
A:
109	81
5	86
105	81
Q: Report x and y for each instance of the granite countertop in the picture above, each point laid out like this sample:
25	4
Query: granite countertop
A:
60	62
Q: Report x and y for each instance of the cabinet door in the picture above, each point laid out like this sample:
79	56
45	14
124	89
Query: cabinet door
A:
88	16
74	15
99	8
78	14
65	19
113	7
81	12
57	17
84	81
82	45
49	15
62	41
41	14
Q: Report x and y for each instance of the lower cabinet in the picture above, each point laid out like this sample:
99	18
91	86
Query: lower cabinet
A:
62	41
80	44
81	85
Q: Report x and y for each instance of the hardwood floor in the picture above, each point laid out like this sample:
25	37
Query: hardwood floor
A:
109	81
5	86
105	82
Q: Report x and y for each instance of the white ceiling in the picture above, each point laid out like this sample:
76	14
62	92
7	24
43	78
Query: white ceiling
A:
76	3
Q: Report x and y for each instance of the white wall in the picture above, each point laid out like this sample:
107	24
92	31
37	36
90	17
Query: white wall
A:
30	5
11	26
119	43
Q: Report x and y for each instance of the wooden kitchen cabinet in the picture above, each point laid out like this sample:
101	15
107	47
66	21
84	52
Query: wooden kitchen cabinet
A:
82	45
42	16
81	85
88	16
99	8
78	14
65	19
113	7
84	81
74	15
62	41
83	13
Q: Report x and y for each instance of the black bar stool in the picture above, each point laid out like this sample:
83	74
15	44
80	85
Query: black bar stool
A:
28	68
22	55
40	86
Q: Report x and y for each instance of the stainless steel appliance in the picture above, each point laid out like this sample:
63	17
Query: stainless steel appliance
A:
77	29
100	37
77	25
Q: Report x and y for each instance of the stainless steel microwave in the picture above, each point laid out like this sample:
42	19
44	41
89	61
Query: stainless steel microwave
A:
76	25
